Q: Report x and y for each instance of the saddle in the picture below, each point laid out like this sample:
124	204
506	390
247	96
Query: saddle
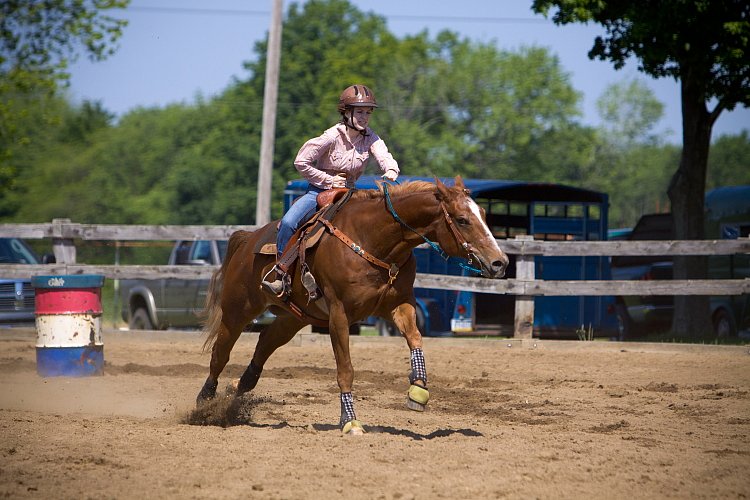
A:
307	236
266	245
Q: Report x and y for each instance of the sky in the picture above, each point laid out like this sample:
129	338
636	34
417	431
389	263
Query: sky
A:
173	51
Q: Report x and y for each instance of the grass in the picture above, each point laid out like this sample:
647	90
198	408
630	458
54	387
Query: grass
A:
585	334
667	337
111	306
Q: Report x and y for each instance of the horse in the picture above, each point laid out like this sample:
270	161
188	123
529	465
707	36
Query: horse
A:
363	266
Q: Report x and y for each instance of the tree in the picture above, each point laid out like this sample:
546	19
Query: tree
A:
38	40
639	166
629	111
704	45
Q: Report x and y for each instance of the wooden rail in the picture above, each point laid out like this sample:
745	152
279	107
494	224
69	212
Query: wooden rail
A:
64	234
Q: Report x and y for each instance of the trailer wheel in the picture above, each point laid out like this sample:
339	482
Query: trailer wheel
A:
420	320
386	328
140	320
624	323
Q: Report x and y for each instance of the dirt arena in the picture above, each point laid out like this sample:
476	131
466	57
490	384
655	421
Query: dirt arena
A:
506	420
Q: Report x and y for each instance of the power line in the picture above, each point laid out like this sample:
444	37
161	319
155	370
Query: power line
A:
452	19
393	17
189	10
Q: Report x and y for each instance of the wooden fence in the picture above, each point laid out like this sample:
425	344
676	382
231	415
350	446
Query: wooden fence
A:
65	233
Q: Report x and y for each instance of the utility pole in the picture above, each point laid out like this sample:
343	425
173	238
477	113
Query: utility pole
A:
270	99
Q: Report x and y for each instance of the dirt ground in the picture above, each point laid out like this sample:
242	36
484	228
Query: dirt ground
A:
506	420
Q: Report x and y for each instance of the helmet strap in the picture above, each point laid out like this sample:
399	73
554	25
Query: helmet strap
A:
349	121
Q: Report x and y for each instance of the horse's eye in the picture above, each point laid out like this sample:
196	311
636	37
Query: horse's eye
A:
463	221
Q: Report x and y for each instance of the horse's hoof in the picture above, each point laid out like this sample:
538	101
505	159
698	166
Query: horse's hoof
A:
413	405
353	428
231	389
208	392
417	398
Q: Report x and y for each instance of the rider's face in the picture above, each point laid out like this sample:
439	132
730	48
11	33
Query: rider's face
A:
361	117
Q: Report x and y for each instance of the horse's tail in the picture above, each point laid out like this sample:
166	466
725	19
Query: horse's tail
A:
212	310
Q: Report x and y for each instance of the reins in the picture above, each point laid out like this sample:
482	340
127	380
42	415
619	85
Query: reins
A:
449	220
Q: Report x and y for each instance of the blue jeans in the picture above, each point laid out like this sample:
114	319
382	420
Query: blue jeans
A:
299	213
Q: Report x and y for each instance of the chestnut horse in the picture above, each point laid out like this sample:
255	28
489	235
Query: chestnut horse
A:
363	266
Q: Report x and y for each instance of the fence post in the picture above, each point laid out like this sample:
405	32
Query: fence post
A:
523	325
63	248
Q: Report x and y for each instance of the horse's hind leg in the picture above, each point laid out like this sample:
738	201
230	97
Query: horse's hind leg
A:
275	335
219	359
229	331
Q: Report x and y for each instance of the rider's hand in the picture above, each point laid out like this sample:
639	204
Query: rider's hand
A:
339	181
391	175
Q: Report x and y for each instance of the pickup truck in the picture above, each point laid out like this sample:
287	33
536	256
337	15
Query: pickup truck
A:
16	294
727	217
174	303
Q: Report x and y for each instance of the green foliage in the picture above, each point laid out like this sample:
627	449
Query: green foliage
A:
630	110
705	39
38	40
44	37
447	106
729	161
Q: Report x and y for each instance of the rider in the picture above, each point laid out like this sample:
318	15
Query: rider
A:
335	159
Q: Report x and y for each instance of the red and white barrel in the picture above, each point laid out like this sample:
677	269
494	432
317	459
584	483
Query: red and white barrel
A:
69	325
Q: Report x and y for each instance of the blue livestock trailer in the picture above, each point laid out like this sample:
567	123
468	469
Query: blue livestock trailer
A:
546	211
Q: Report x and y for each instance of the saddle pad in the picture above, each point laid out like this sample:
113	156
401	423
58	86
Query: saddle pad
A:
266	243
267	249
314	236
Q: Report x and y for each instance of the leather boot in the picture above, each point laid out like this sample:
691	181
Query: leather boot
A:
277	286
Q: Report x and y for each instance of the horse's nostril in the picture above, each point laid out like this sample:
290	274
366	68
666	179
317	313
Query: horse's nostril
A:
498	268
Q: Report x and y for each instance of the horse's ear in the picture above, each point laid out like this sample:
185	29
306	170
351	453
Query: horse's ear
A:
460	184
442	193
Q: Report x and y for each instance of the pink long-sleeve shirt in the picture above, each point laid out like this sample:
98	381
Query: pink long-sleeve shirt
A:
321	158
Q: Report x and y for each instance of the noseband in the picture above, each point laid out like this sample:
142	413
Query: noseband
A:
460	240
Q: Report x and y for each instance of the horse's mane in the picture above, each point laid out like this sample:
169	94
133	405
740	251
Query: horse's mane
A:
397	190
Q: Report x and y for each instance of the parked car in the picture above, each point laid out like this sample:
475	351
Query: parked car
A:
727	216
16	294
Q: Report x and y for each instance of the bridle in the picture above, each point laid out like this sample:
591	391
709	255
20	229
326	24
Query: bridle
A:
471	255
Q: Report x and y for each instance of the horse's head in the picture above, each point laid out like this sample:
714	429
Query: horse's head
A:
468	235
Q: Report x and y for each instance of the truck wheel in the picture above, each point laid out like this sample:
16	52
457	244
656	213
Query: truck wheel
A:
386	328
140	320
723	325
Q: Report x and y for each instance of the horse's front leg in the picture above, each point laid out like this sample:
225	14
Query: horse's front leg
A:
338	327
405	318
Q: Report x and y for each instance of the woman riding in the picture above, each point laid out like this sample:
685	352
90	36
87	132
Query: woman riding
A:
335	159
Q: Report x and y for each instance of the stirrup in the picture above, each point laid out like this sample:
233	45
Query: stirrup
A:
277	287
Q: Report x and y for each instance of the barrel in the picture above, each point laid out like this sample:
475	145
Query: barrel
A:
68	324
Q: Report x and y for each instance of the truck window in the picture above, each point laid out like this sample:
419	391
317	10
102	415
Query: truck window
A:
202	251
182	253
